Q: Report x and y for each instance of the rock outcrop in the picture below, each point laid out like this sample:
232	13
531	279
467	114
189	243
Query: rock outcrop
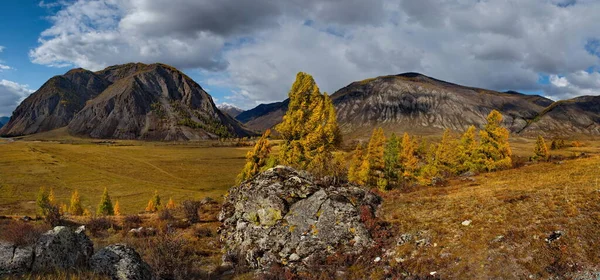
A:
62	248
59	248
285	217
121	262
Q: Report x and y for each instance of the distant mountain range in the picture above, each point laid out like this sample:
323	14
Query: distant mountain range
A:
230	110
158	102
131	101
419	104
3	121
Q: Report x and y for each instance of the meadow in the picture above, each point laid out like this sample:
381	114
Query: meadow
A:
131	171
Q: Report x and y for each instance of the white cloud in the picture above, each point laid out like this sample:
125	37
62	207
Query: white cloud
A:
11	94
574	84
256	47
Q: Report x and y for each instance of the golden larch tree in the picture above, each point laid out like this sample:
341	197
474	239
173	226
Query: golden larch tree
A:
257	158
494	145
540	151
170	204
408	160
375	153
469	155
355	165
117	209
75	207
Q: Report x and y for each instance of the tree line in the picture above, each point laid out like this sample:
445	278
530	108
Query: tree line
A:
311	139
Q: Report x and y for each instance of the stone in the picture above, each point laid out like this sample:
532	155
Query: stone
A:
62	248
15	259
556	235
283	212
122	262
466	223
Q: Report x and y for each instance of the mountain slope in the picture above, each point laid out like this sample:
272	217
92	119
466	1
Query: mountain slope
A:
412	102
580	115
3	121
264	116
417	103
155	102
230	110
55	103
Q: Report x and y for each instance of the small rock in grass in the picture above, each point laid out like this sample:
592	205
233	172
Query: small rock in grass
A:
466	223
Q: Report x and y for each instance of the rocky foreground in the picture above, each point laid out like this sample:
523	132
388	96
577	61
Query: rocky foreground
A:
284	217
64	249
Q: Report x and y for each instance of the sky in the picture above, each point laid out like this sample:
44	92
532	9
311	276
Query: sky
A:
247	52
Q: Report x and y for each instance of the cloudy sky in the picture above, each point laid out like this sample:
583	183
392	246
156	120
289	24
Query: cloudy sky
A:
246	52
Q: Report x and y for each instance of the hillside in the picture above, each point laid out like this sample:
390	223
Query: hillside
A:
3	121
580	115
230	110
55	103
412	102
417	103
130	101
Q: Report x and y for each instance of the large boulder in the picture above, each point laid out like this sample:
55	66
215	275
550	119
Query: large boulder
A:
285	217
15	259
62	248
119	261
59	248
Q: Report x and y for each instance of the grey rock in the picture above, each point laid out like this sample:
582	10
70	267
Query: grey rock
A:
15	259
122	262
283	214
556	235
62	248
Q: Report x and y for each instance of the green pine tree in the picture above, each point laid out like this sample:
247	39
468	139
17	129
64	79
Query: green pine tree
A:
105	207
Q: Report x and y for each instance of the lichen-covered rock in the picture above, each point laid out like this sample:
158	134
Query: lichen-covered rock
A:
59	248
119	261
15	259
62	248
284	216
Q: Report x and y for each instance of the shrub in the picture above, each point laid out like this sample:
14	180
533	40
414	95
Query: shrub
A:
131	221
169	257
99	224
21	234
165	215
201	232
190	209
105	207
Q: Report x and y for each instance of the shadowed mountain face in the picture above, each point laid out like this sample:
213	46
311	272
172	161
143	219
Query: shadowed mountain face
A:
264	116
230	110
55	103
415	103
580	115
131	101
3	121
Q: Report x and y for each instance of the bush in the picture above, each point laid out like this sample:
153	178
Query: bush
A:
97	225
190	209
21	234
165	215
201	232
169	257
131	221
53	216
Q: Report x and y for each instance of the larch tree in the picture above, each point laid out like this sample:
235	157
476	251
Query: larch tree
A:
43	201
375	157
151	207
408	161
170	204
117	209
105	207
446	156
75	207
494	146
469	155
391	158
355	165
51	197
257	159
540	151
156	199
309	127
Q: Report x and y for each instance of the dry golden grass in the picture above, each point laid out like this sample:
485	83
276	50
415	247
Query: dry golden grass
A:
523	205
131	171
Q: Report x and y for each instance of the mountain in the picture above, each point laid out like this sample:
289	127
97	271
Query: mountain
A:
421	104
55	103
415	103
264	116
580	115
230	110
130	101
3	121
